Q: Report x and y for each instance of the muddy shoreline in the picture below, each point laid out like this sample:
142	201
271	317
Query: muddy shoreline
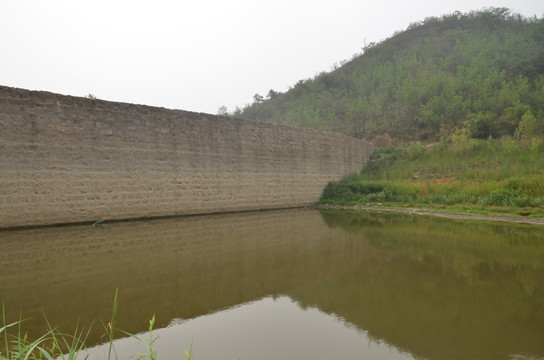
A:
451	215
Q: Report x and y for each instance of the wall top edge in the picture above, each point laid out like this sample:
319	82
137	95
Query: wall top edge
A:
13	93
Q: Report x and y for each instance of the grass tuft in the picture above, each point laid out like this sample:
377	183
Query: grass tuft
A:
54	345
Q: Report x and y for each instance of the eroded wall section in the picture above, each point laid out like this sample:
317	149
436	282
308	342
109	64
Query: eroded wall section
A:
66	159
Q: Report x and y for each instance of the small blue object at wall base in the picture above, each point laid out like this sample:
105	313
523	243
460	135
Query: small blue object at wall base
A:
98	222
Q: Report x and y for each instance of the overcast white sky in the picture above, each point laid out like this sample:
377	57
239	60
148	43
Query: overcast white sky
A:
197	55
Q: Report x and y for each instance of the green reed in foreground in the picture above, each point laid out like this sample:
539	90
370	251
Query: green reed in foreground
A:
48	346
15	344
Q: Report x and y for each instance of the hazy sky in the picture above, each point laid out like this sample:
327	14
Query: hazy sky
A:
197	55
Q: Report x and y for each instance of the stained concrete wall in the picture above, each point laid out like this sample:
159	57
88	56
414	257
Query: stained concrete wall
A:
66	159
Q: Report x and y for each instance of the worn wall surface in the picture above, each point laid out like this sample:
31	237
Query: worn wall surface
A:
66	159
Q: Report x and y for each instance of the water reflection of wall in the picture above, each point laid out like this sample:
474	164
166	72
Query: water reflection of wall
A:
441	289
176	268
434	287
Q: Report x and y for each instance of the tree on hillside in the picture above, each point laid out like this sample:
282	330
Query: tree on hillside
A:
223	111
271	94
257	99
528	125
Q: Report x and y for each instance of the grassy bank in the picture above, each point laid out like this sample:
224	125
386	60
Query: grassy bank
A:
54	344
490	176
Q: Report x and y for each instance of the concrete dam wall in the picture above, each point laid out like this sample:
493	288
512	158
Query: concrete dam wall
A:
67	159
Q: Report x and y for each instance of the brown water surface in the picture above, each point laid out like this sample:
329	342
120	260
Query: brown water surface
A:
300	284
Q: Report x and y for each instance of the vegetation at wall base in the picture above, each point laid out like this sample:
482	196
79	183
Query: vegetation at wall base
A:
479	176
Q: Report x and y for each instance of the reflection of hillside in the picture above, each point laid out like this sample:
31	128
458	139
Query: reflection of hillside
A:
466	243
440	290
434	287
176	268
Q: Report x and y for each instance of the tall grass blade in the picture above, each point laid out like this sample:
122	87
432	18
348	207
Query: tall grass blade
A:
45	354
189	355
110	328
150	353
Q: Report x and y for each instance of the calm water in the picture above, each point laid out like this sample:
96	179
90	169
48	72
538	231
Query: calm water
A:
296	284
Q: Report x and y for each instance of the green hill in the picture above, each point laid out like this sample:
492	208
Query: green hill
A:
481	73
